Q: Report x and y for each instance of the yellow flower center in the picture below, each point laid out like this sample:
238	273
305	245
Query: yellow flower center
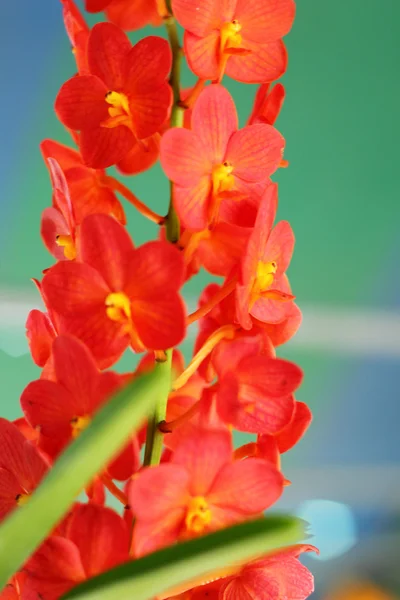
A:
222	178
79	424
198	515
230	43
66	242
22	499
265	276
222	181
119	111
118	307
119	104
230	35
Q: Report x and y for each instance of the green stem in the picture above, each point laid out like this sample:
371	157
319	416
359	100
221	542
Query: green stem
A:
172	221
172	224
154	437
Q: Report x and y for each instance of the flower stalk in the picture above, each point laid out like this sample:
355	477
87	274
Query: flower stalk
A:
154	437
172	221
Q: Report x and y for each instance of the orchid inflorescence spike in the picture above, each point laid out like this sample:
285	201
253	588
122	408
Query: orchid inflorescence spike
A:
104	295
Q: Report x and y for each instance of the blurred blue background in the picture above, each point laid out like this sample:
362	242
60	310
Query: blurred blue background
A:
341	195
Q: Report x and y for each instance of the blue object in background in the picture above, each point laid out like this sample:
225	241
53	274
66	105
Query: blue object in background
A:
332	525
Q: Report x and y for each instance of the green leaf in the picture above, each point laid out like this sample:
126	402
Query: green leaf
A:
111	427
162	571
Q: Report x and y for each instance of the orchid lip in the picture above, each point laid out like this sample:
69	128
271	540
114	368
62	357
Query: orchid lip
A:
67	243
119	110
118	307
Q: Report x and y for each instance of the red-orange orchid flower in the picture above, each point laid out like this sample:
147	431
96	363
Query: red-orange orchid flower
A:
218	250
268	103
78	33
89	194
125	98
95	539
200	490
264	292
58	224
118	296
254	392
271	447
240	38
279	575
64	407
21	468
224	313
214	163
127	14
40	333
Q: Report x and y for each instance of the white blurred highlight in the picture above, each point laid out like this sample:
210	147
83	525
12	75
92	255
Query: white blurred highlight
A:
348	331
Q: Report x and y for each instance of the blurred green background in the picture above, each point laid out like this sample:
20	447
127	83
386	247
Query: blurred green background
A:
341	195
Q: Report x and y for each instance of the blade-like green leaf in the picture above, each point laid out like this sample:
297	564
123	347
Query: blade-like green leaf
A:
29	525
155	574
